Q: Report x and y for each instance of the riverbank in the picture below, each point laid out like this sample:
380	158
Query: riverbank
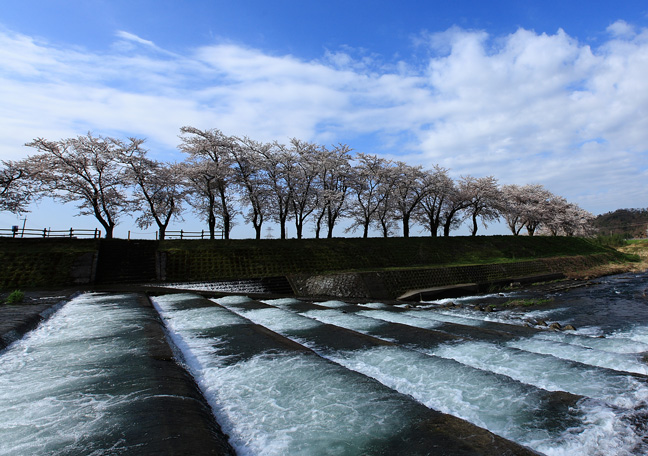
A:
636	250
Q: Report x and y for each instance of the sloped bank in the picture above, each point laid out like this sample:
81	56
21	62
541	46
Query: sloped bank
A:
385	268
437	282
345	267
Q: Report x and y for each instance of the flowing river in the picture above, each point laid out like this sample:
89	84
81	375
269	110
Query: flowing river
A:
294	377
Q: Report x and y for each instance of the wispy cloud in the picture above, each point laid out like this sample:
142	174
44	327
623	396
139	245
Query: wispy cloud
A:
524	107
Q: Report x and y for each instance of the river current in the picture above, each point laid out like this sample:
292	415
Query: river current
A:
335	378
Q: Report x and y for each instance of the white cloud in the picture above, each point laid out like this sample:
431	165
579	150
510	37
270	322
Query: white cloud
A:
621	29
134	38
523	107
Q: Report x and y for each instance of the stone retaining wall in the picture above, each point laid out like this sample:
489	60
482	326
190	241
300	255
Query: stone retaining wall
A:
389	267
394	283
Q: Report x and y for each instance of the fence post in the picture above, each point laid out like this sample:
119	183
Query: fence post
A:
129	235
44	232
180	234
71	232
202	234
95	234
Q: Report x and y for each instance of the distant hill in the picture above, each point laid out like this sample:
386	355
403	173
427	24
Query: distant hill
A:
631	223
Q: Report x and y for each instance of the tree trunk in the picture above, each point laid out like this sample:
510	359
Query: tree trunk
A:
318	224
211	222
475	225
227	218
406	226
282	226
446	228
109	231
257	222
299	226
385	229
365	233
331	218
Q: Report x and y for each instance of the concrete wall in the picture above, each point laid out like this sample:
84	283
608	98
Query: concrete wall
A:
382	268
393	284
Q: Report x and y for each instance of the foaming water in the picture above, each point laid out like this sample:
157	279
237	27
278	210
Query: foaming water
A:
374	305
72	385
473	394
449	317
613	343
585	355
401	317
58	386
275	302
549	372
282	402
333	304
344	320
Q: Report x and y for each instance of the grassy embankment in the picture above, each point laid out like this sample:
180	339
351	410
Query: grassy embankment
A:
199	260
636	253
51	263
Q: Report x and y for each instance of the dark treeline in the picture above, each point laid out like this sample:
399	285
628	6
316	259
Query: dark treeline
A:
223	177
628	223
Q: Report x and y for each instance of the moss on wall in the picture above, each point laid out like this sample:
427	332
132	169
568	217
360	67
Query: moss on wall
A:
210	260
43	263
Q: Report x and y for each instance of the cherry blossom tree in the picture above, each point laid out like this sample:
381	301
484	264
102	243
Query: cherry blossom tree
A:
86	170
367	188
451	210
535	207
483	199
304	181
439	187
525	207
158	187
411	186
17	190
211	174
512	207
277	162
565	218
334	174
253	181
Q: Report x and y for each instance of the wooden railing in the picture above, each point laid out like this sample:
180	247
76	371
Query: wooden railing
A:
17	232
181	234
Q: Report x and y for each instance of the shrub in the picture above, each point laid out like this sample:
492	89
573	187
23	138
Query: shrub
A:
612	240
15	297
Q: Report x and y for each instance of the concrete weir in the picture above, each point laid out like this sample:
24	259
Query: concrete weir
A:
161	409
418	429
177	420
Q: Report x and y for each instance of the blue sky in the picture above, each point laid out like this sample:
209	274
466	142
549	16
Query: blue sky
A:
549	92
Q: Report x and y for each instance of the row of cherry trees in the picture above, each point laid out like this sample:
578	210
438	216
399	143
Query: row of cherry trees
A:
225	176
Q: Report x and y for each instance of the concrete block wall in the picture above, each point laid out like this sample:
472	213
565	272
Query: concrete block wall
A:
391	284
